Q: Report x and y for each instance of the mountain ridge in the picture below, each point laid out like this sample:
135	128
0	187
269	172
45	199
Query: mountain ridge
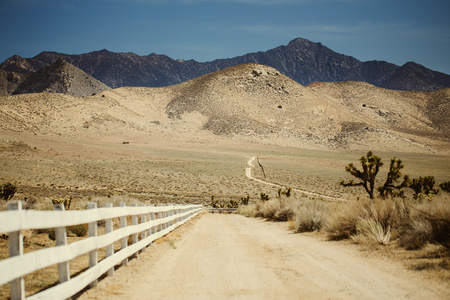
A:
301	60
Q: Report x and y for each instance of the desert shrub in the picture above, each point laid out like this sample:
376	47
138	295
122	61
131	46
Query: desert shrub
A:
378	219
437	213
267	209
310	216
7	191
247	210
371	231
423	187
284	213
445	186
388	213
79	230
429	223
416	234
278	209
342	222
51	234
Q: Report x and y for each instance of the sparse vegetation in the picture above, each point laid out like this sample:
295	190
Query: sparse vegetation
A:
445	186
79	230
7	191
423	187
286	192
305	214
245	200
65	201
264	197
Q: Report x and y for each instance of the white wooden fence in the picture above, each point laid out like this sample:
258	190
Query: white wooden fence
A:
155	222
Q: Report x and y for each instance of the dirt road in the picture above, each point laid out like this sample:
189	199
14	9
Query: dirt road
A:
232	257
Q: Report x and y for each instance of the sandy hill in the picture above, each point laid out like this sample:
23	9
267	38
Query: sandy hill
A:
61	77
248	102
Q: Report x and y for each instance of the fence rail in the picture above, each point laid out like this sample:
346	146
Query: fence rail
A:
148	224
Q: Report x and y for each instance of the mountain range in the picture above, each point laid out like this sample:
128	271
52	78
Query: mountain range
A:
301	60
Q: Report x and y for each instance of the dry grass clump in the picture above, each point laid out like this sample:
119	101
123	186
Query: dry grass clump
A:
277	209
416	234
375	221
247	210
305	215
379	221
310	216
429	223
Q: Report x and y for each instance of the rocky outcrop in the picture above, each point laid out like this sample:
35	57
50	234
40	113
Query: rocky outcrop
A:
61	77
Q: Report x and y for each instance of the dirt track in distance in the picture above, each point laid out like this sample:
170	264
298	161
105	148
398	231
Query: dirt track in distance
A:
230	256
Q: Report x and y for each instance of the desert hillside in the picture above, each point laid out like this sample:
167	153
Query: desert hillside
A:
248	102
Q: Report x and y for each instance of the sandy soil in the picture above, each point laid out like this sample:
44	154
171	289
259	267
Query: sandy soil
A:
229	256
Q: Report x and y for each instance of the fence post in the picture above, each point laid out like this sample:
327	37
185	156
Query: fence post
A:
93	255
149	218
110	248
135	236
61	240
158	217
17	286
143	220
124	242
153	218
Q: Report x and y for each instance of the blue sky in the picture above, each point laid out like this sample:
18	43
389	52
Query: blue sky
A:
204	30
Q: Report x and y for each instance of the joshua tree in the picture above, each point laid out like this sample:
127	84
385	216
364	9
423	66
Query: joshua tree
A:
393	176
287	191
371	165
245	200
264	197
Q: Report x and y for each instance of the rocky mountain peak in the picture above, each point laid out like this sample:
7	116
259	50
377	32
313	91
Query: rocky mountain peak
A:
17	64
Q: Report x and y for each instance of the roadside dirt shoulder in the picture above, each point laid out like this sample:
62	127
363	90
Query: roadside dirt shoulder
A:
231	256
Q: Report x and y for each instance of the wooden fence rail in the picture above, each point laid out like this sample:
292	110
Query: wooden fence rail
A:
148	224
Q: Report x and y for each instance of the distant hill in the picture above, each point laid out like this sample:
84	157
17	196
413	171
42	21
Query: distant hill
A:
9	81
301	60
61	77
249	102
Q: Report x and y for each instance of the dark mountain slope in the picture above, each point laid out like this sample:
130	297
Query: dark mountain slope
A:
61	77
301	60
9	81
412	76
